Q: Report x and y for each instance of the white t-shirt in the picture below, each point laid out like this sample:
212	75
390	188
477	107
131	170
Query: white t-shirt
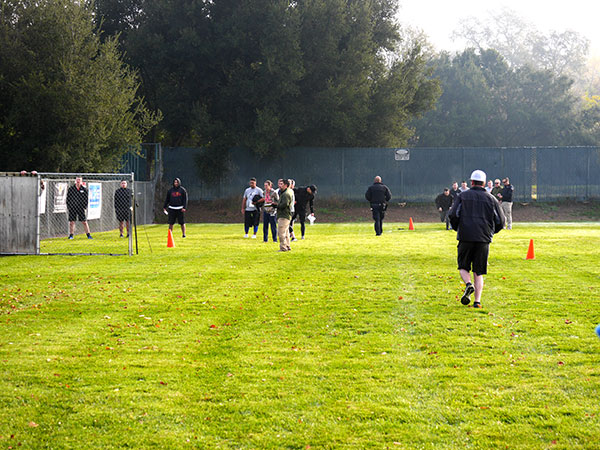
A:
249	193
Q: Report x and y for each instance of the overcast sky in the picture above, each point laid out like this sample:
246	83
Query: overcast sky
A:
439	18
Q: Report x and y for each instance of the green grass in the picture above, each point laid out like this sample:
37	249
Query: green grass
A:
348	341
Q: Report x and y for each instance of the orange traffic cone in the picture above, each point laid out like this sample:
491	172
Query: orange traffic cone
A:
170	242
410	224
530	254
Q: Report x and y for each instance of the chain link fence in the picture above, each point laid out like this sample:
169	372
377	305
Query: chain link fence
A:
414	175
88	214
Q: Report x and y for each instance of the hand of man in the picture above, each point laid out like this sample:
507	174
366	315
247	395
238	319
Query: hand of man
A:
183	209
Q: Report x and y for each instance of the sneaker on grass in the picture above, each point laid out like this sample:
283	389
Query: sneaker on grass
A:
469	289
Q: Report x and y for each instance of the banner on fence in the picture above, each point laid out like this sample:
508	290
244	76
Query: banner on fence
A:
60	197
94	200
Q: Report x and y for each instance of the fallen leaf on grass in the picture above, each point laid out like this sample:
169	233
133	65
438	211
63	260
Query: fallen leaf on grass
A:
33	424
560	363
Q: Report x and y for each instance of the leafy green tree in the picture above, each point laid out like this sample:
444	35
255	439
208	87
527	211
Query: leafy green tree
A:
270	74
485	102
67	101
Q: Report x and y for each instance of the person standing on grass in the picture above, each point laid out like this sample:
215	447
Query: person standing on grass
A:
443	203
284	215
304	197
250	207
378	195
506	199
270	212
176	205
122	203
497	189
77	203
476	216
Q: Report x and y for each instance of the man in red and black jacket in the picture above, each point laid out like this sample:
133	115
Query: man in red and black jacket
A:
176	205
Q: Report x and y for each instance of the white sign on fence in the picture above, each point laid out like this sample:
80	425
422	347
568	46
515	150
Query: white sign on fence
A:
94	200
402	154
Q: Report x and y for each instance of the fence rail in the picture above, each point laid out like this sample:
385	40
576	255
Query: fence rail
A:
413	174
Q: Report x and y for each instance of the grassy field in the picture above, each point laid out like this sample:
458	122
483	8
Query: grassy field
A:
348	341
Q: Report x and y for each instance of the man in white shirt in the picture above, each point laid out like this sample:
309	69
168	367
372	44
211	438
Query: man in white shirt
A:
250	208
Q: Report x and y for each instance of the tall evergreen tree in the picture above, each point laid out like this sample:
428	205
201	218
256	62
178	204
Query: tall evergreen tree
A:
67	101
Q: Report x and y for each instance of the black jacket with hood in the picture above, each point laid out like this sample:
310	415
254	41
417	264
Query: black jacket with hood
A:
176	196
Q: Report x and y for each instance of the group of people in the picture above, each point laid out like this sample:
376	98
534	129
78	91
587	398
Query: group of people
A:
503	193
281	208
77	204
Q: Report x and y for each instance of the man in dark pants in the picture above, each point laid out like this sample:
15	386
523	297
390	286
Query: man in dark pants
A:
251	207
305	196
443	203
176	205
378	195
122	203
476	215
506	199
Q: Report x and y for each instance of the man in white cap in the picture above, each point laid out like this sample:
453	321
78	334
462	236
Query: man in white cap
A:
475	215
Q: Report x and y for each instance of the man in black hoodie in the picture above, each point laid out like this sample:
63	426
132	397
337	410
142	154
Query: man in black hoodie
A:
476	216
378	195
176	204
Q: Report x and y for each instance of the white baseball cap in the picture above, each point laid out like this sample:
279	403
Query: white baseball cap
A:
478	175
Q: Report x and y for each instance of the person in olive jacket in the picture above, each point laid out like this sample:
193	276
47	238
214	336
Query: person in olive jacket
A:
284	215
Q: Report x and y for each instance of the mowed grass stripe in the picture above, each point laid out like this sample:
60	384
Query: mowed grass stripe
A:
348	341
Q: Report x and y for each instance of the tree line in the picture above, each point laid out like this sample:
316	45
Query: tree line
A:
80	82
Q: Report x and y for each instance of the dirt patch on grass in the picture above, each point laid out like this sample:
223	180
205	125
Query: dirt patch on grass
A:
336	211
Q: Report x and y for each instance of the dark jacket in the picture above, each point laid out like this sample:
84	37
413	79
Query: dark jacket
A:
177	197
476	215
77	199
378	193
122	199
454	194
507	193
443	201
303	198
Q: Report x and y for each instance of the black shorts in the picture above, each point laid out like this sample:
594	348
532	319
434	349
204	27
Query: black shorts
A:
176	215
473	255
123	214
77	214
